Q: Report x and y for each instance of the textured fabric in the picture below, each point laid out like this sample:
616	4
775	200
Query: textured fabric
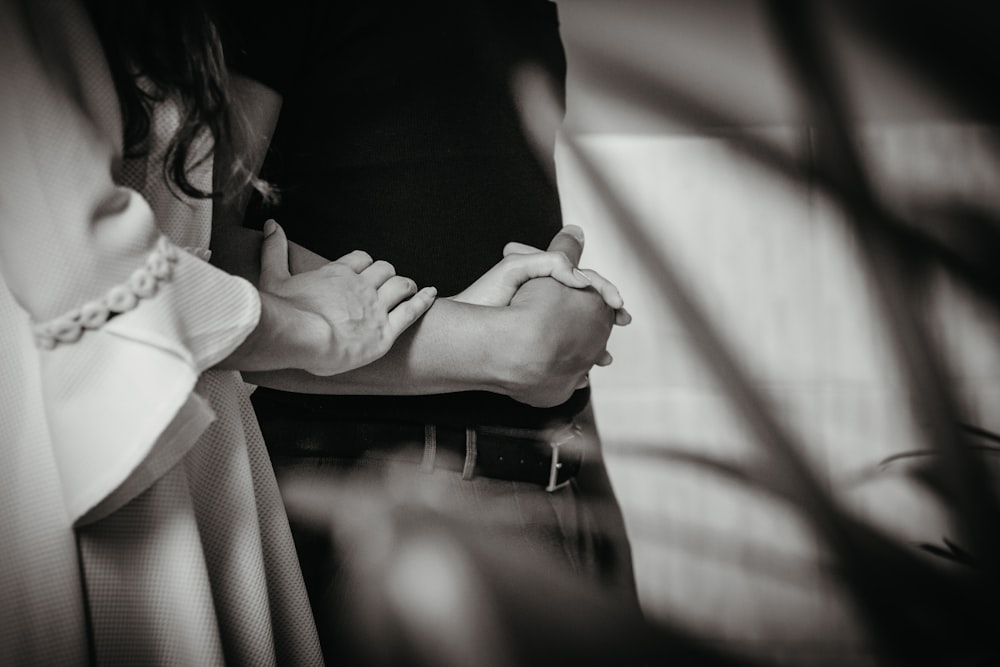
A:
189	559
202	566
41	597
69	236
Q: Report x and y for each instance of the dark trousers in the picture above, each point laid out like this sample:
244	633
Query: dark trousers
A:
380	498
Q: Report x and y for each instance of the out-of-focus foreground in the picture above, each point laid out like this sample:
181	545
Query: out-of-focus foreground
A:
821	180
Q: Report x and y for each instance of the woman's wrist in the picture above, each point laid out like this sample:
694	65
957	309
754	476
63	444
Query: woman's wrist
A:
285	337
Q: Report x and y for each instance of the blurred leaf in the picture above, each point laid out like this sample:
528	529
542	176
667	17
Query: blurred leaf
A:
950	552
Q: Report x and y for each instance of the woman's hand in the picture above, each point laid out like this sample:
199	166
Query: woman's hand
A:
497	286
569	242
522	263
349	312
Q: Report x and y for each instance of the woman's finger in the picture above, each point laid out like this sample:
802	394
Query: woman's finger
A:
522	268
409	311
358	260
605	359
394	290
378	273
517	248
273	255
606	289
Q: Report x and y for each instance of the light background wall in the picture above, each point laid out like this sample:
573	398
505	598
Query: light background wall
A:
770	262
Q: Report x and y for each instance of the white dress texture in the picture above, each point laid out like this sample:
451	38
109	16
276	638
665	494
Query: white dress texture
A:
140	522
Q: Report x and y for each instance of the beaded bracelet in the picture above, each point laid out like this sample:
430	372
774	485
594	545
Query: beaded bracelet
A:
142	284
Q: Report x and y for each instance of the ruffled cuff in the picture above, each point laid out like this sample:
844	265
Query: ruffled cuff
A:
118	375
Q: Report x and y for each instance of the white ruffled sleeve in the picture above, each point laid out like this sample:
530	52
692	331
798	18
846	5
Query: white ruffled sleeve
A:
124	321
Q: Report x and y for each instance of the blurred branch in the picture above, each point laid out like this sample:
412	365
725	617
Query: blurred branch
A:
952	45
891	268
879	572
945	233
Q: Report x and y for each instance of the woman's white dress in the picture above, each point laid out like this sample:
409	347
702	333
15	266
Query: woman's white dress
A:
139	518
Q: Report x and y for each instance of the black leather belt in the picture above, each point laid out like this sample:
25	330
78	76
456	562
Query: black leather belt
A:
548	457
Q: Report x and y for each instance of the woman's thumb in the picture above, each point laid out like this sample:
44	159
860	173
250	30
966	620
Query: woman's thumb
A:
273	254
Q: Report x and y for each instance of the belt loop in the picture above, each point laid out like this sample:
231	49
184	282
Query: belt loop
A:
554	466
470	454
557	440
430	448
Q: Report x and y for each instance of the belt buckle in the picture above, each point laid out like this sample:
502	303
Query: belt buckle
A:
559	438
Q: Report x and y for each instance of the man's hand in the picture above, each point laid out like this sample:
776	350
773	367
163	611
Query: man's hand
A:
563	332
564	335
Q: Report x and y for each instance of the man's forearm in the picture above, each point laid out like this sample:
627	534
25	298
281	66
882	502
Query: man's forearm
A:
454	347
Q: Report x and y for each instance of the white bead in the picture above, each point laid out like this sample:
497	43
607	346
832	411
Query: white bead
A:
93	314
67	329
143	283
158	266
121	299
